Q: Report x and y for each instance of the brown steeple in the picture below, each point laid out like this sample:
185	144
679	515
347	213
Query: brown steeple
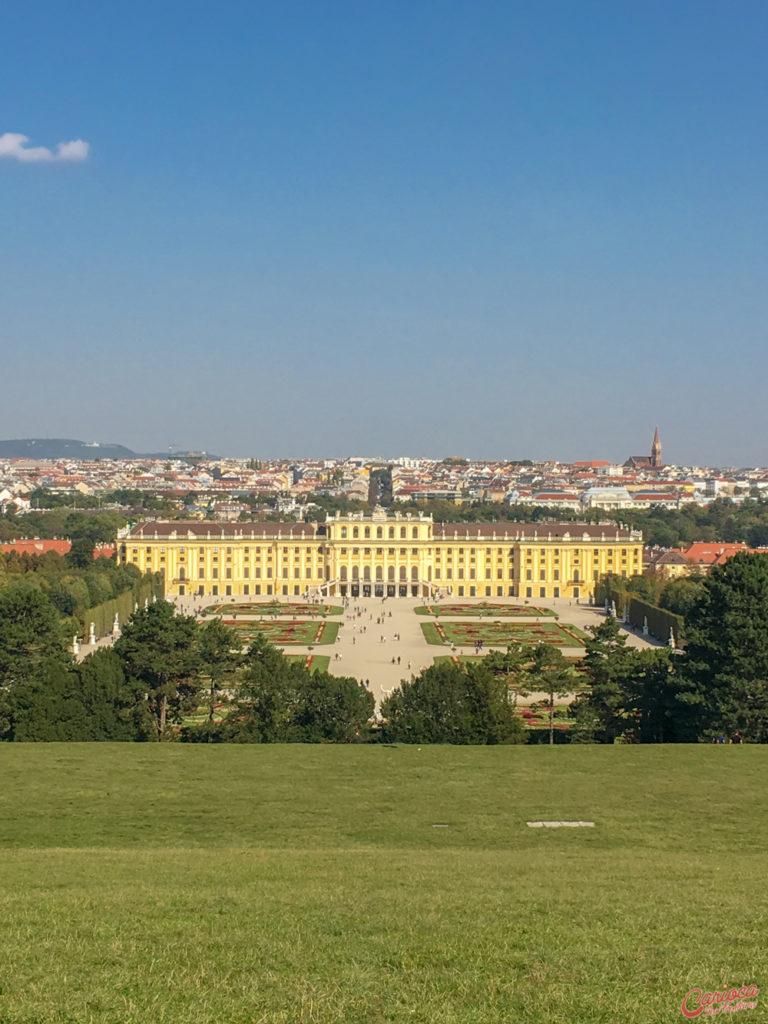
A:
656	450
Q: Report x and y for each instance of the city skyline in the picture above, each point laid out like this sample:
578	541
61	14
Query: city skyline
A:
495	231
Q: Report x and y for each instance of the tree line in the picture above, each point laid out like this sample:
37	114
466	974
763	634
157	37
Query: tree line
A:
170	677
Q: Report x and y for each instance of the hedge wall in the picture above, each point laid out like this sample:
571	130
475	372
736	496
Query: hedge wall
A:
659	620
103	615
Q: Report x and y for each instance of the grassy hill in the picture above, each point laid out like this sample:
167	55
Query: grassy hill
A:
156	885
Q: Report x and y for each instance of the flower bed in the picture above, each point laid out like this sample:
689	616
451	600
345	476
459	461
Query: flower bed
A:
273	608
292	632
501	634
486	610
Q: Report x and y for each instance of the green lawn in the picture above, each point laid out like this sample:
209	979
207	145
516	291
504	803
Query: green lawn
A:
501	634
205	884
314	662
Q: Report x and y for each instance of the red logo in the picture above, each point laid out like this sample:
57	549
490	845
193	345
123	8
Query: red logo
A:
729	1000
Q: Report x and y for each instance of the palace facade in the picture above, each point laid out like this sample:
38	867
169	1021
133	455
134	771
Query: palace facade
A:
380	555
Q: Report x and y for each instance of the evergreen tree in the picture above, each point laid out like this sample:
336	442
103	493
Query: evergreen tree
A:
159	653
219	649
552	673
448	703
30	636
726	655
283	702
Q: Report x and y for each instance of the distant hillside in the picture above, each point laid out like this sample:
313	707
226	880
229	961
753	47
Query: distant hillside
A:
66	448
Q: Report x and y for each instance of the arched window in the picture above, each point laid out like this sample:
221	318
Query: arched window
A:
379	532
403	574
392	532
355	532
415	572
403	534
343	531
367	572
391	573
343	572
367	532
576	575
181	573
355	572
379	573
415	533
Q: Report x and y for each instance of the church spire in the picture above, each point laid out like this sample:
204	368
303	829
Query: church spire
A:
656	449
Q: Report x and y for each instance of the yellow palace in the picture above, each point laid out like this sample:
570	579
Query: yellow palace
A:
380	555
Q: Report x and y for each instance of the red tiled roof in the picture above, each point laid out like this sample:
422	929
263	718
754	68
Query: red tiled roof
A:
37	547
703	553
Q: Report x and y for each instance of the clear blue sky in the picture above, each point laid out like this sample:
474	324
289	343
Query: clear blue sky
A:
525	229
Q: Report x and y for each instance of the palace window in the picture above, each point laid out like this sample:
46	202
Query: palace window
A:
367	531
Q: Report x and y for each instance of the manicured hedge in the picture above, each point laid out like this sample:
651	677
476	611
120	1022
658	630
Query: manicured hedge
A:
660	621
103	615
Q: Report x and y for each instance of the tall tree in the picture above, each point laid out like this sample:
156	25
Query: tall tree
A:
726	655
159	651
283	702
553	674
600	712
449	703
30	635
512	665
219	649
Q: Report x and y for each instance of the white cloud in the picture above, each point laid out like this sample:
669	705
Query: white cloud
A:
14	146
